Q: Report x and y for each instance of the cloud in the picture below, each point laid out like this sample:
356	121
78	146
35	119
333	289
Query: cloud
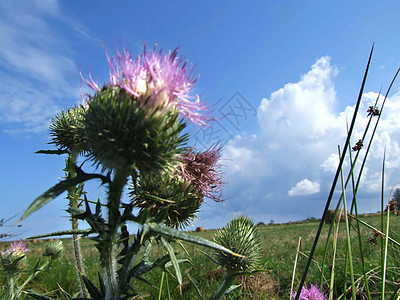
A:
302	110
38	71
300	129
304	187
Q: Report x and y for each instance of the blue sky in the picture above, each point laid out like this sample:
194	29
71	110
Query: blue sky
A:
289	70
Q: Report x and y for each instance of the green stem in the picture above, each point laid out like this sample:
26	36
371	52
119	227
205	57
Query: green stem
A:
348	252
225	285
73	195
109	250
11	284
161	285
34	273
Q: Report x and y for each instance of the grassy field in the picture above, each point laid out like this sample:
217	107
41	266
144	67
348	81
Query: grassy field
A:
280	243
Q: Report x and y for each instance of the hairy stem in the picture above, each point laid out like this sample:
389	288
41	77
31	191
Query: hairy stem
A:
110	243
74	194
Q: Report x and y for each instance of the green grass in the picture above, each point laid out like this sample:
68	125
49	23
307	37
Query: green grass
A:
280	243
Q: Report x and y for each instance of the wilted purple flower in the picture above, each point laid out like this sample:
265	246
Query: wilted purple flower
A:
313	293
159	80
16	248
199	168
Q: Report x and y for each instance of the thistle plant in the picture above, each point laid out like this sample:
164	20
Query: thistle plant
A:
13	262
65	130
131	128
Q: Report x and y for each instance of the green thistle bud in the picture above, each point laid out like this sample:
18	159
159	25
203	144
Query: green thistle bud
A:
13	259
241	236
54	249
13	263
171	193
65	129
121	132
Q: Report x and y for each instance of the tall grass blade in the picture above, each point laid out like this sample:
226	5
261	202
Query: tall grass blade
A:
384	258
294	268
349	257
328	202
161	285
335	238
354	205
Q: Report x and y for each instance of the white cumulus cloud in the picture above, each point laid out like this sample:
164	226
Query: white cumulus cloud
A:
300	129
304	187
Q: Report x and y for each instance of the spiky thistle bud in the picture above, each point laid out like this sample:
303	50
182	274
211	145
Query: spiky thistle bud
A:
171	194
54	249
66	129
121	133
241	236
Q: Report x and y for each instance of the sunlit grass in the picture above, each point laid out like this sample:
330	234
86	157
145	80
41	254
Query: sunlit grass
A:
279	246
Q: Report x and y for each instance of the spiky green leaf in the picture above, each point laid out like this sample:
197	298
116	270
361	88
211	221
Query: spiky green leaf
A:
176	234
92	289
58	189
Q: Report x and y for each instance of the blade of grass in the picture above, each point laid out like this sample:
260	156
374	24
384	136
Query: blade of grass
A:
294	268
384	259
161	285
355	187
328	202
354	205
328	239
349	257
335	237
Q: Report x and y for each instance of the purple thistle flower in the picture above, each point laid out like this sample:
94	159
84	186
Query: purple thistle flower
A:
313	293
159	80
16	248
199	168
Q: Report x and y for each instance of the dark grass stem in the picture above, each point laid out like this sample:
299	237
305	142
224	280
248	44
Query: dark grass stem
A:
328	202
350	175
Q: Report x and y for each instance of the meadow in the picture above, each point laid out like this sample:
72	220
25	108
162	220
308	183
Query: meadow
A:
280	244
